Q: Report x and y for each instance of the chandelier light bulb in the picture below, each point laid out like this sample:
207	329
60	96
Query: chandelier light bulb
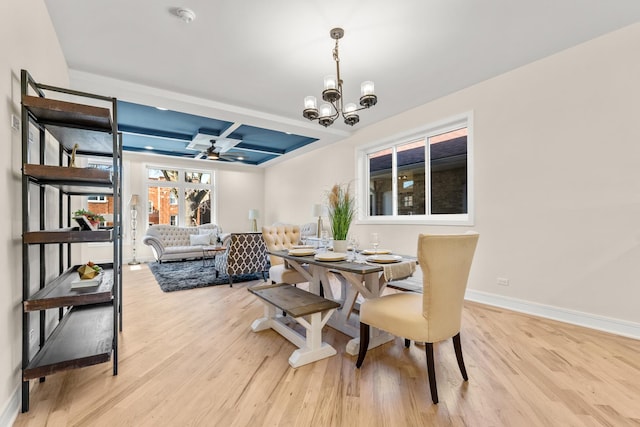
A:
350	109
366	88
330	82
325	110
310	102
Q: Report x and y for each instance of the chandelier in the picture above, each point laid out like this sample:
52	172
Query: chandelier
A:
332	93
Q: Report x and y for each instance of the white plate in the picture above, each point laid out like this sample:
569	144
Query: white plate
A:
86	283
331	256
302	247
302	251
384	259
376	251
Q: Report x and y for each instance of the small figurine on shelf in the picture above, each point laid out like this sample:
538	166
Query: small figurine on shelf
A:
72	162
87	219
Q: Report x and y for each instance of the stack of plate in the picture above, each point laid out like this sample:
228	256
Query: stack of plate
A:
384	259
376	251
301	251
331	256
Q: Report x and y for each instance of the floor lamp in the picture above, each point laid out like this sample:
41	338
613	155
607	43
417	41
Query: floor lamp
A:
133	209
254	214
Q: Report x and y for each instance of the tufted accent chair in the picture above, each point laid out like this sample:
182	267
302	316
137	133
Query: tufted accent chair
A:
279	238
246	253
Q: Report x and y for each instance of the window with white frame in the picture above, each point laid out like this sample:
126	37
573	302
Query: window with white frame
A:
424	176
100	203
179	197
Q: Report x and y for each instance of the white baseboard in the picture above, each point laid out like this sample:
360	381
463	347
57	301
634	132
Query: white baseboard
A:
601	323
11	409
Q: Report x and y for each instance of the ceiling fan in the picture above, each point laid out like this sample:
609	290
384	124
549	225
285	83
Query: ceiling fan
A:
219	150
215	147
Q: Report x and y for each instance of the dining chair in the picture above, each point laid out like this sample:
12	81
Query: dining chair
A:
278	238
436	314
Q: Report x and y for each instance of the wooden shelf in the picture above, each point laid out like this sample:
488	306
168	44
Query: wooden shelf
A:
87	333
61	176
66	235
88	126
58	293
84	337
55	112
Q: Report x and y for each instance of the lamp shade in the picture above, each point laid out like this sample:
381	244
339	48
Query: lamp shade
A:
319	210
254	214
133	202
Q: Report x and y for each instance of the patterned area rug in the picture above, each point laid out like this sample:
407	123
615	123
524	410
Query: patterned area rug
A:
181	275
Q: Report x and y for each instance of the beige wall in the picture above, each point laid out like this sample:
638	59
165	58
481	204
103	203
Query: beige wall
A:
556	177
38	51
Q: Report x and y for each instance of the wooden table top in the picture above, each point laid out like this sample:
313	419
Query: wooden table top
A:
348	266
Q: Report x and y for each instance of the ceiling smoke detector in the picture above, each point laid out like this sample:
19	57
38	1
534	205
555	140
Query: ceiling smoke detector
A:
187	15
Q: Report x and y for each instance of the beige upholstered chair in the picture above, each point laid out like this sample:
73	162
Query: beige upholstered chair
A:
278	238
434	315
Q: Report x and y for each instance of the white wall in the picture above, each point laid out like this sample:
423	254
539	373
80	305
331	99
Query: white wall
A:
38	51
556	174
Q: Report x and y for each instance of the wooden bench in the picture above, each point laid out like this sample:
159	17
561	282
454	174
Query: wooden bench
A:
309	310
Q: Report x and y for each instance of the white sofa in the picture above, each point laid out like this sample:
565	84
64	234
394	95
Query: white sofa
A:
169	242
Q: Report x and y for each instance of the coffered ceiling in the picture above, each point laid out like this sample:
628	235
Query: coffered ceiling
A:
240	70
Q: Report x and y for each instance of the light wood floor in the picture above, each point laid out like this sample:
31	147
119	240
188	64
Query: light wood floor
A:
189	358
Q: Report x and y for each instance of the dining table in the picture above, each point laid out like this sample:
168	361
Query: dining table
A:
357	276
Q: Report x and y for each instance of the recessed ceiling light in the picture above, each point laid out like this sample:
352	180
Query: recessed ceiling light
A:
148	147
162	109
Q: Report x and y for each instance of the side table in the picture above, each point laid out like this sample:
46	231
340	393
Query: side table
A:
209	254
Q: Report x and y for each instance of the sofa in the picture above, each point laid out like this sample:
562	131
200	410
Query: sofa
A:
169	242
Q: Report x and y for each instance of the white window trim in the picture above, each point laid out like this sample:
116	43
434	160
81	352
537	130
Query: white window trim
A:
362	170
100	199
182	186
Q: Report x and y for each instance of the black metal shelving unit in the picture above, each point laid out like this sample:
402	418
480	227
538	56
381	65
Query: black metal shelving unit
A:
89	319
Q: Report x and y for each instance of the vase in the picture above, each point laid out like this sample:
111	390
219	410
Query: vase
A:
340	246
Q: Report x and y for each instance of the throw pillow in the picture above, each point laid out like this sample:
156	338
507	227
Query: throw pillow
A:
213	235
199	239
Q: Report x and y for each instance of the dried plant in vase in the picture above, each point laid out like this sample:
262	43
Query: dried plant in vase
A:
341	211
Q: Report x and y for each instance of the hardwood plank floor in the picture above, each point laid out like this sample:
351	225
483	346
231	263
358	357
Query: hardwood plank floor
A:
189	358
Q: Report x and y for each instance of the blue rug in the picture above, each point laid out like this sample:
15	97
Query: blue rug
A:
182	275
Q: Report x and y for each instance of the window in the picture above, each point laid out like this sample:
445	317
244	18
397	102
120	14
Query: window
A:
97	199
424	176
100	203
179	197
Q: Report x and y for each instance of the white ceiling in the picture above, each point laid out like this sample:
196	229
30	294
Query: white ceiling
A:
265	56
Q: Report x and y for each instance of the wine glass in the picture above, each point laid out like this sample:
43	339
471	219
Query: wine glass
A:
352	241
324	240
375	241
